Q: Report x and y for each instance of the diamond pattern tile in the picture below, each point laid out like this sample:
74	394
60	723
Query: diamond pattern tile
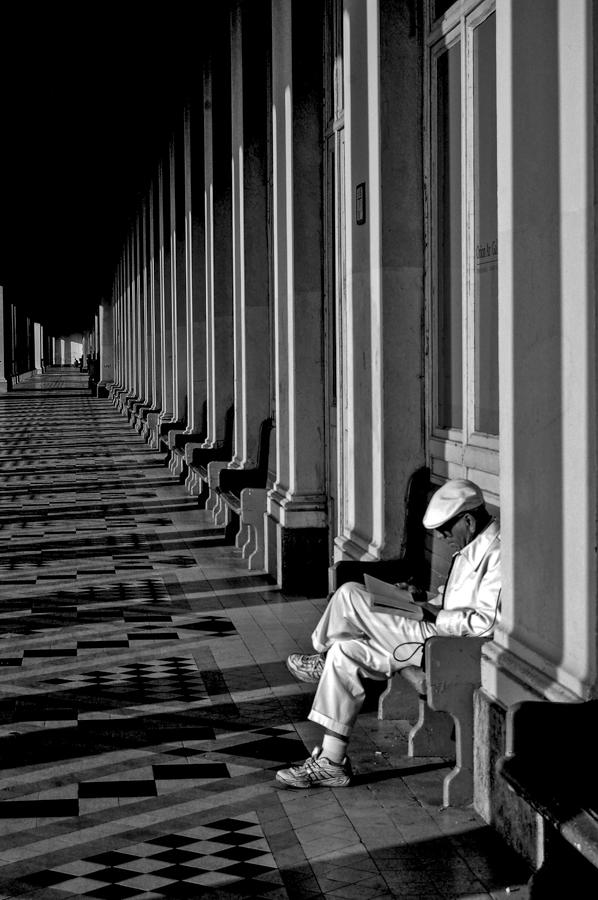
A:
145	704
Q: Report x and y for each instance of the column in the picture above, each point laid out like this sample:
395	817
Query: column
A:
297	503
106	348
153	256
380	382
139	401
250	34
37	348
218	231
148	356
545	646
4	362
130	335
167	416
139	314
178	284
195	273
117	301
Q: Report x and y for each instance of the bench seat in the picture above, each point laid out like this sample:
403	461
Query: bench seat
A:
242	500
232	500
440	692
550	764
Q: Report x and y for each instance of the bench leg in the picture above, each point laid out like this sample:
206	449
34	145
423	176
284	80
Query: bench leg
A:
253	507
242	539
398	701
203	493
231	526
249	542
221	513
212	501
432	733
255	559
458	785
191	483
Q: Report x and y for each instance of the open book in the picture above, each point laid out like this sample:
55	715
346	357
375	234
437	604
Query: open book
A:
389	598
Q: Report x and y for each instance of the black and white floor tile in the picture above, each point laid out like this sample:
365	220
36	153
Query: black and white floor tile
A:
145	705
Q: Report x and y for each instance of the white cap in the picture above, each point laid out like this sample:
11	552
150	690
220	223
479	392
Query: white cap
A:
453	497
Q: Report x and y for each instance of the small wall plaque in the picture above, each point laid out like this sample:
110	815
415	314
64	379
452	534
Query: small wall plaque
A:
360	203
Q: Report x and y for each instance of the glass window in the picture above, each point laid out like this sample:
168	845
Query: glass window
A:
448	247
485	229
462	272
441	6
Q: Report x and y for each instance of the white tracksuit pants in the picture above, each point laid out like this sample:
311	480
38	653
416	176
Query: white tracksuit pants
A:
359	642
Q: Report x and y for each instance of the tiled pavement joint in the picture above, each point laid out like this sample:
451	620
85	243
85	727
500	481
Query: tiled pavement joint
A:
145	705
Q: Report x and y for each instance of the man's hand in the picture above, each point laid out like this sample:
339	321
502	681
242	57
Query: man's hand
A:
430	612
418	594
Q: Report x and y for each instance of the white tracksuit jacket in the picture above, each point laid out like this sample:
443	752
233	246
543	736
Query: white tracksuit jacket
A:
360	642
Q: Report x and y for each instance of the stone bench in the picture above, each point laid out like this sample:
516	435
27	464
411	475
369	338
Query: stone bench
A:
178	440
550	763
243	495
198	459
441	691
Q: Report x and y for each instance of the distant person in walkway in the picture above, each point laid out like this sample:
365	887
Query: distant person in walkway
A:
353	642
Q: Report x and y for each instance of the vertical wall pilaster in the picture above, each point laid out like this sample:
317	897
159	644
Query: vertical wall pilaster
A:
545	644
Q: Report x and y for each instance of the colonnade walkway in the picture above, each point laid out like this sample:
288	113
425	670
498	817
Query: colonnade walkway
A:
145	704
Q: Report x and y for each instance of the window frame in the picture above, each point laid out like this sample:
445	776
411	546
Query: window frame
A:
454	452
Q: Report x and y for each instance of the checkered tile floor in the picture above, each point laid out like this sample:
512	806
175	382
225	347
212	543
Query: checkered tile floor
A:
230	853
145	705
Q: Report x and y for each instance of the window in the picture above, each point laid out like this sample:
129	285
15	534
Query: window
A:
462	284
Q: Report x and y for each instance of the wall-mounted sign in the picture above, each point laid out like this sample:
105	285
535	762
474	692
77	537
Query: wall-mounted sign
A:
360	203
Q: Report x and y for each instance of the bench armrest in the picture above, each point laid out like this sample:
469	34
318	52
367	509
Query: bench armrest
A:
214	469
454	660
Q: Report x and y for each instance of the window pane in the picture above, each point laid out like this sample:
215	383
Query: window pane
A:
485	227
441	6
449	409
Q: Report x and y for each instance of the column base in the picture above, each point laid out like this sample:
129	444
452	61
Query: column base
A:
3	386
301	559
103	389
493	800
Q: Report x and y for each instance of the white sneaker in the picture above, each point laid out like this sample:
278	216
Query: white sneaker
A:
317	771
306	667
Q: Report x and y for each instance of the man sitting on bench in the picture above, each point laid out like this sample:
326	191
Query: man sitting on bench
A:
352	641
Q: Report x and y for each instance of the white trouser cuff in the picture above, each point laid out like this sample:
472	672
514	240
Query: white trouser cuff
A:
330	724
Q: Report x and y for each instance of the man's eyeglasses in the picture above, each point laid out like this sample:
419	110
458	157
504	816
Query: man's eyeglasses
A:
447	529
